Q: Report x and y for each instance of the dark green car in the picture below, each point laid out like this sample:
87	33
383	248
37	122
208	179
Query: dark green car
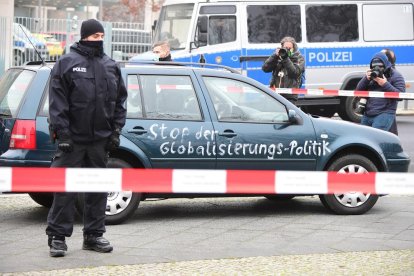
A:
199	118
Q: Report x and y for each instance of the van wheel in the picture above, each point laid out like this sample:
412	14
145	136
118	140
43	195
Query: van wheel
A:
324	111
120	205
347	109
44	199
350	203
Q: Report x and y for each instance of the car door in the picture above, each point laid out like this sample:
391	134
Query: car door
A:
168	120
253	130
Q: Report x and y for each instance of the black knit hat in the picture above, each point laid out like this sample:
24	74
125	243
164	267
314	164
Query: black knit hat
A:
90	27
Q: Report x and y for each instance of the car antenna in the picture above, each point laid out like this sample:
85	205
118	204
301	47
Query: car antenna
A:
34	47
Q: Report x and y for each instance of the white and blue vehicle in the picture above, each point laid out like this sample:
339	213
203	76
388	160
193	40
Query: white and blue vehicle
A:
337	39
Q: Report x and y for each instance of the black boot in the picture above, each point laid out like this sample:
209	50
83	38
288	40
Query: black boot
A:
57	246
96	243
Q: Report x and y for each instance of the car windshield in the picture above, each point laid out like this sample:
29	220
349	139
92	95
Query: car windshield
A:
13	86
174	25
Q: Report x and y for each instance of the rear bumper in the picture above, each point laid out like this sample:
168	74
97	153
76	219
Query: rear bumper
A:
23	163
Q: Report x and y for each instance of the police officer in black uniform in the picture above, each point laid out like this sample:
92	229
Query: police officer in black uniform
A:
86	109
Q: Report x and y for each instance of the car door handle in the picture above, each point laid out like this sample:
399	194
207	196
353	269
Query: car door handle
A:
137	130
227	133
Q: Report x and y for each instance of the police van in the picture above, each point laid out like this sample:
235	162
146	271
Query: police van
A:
337	39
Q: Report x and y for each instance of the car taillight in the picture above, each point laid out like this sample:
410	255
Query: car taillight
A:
23	135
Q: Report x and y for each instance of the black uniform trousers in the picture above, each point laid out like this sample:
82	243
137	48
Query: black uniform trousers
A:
61	214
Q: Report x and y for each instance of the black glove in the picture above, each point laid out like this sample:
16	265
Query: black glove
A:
65	144
113	141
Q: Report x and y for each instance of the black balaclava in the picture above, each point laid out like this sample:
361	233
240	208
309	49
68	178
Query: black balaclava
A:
90	27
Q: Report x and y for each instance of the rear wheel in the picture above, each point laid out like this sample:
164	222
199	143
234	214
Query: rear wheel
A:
350	203
44	199
120	205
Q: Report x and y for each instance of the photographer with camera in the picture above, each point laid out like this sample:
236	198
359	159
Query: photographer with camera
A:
287	66
380	112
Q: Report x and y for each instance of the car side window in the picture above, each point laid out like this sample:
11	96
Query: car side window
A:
169	97
44	107
236	101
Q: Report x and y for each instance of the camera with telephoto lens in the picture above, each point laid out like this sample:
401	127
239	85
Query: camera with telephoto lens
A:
376	72
283	53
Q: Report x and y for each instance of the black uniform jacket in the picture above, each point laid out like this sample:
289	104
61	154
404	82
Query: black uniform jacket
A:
86	95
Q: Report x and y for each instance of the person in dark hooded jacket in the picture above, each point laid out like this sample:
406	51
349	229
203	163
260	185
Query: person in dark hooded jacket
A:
86	112
287	67
380	112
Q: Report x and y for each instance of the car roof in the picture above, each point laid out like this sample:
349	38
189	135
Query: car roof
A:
164	66
171	65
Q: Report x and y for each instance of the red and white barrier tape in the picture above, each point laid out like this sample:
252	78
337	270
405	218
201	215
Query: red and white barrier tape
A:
345	93
316	92
200	181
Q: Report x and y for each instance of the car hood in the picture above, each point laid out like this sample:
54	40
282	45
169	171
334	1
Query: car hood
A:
342	134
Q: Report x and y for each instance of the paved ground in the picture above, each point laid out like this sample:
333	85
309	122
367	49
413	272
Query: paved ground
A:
221	237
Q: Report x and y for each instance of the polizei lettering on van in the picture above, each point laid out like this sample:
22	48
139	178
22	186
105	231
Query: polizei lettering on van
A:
326	57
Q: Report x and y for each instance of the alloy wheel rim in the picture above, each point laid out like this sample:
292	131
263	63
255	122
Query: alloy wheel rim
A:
352	199
117	202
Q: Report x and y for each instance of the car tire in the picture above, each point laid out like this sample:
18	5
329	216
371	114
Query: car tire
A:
120	205
347	109
350	203
44	199
279	197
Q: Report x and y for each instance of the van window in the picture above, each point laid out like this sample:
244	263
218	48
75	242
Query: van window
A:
174	25
270	23
222	29
218	9
388	22
332	23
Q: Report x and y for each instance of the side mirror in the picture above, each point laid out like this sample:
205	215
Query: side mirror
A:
202	31
292	116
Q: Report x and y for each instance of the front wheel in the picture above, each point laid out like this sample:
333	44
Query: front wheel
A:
120	205
350	203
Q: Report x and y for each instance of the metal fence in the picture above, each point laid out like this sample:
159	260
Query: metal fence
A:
53	37
3	56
